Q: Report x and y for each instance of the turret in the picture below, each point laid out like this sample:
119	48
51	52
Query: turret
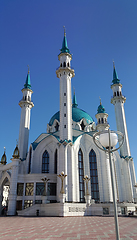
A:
3	158
101	117
118	101
26	104
65	73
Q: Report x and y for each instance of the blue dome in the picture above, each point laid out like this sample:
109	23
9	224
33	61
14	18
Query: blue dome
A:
77	115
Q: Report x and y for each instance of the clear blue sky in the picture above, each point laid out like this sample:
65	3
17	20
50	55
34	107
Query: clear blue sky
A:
98	31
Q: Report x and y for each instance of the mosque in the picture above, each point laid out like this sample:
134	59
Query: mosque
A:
46	178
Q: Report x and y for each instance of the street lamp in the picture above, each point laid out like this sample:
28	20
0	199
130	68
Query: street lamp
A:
45	180
62	177
106	141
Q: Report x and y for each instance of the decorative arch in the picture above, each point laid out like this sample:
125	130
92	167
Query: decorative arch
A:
5	175
81	176
94	175
45	162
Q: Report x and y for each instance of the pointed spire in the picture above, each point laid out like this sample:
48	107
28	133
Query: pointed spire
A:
64	48
74	100
4	158
27	83
115	76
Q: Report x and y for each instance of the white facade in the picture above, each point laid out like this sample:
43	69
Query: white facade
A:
68	146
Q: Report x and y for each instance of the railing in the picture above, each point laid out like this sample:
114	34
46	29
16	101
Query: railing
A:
102	123
64	68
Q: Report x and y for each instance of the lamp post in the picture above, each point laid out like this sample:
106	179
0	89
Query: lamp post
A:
62	177
86	179
87	195
106	141
45	180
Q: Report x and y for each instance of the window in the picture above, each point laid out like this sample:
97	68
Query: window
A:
39	188
64	114
99	120
82	125
61	64
45	162
29	189
64	94
81	176
117	93
64	126
52	189
64	104
102	120
94	176
64	64
68	64
55	162
57	127
20	189
114	94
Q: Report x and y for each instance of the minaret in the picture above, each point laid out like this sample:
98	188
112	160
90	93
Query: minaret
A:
26	104
118	100
101	117
65	73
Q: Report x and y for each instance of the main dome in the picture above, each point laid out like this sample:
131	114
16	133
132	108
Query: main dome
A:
77	115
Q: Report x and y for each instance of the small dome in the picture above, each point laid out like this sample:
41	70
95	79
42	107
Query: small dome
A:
77	115
4	159
101	109
16	152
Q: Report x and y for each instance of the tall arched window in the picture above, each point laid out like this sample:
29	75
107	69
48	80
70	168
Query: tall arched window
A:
55	162
45	162
81	176
94	176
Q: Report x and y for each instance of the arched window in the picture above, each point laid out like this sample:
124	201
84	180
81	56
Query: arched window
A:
81	176
117	93
94	176
30	153
57	126
55	162
102	120
61	64
64	64
82	125
99	120
68	64
45	162
114	94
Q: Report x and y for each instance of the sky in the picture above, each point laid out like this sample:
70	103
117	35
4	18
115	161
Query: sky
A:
98	32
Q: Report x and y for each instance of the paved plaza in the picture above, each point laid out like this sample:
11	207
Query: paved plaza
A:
66	228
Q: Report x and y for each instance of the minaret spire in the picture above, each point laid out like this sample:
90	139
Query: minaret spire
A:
65	73
26	104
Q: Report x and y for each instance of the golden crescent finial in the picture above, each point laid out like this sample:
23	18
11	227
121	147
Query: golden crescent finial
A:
113	64
64	31
100	100
28	69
